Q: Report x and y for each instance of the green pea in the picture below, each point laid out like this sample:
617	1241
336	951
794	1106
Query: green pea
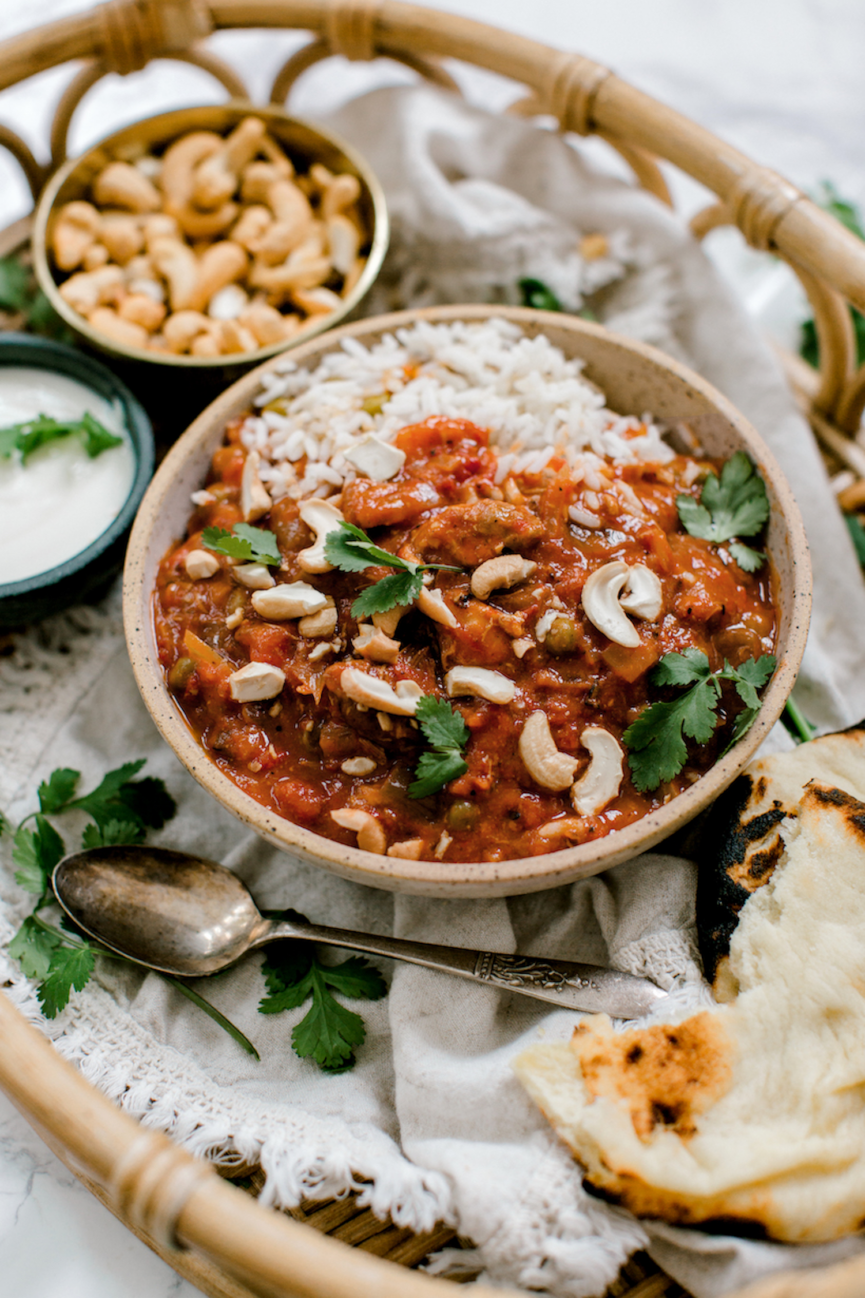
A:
461	816
561	637
179	674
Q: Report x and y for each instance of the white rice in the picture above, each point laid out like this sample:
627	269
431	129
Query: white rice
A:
532	399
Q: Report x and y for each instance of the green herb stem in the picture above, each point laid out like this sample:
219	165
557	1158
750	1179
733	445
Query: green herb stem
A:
214	1013
796	722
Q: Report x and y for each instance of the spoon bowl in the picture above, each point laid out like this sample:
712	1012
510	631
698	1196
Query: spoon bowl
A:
187	916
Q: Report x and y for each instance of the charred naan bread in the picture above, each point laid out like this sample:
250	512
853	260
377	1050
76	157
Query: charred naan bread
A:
749	1116
741	842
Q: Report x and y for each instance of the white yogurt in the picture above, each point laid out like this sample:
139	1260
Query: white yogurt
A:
61	500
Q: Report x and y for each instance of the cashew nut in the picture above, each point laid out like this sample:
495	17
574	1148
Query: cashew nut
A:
256	681
220	264
200	564
375	645
232	337
255	576
316	301
122	185
178	165
372	692
266	324
357	766
108	322
254	499
319	625
643	596
408	850
140	309
178	265
294	599
122	236
506	570
374	458
339	194
389	621
602	607
432	603
544	762
601	782
75	229
481	683
90	289
228	303
182	327
343	241
253	223
370	834
323	518
216	177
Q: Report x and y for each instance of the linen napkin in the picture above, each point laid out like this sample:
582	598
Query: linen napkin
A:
431	1123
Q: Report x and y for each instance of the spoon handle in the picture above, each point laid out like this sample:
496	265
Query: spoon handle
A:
568	985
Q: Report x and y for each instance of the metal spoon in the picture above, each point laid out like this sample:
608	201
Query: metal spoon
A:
186	916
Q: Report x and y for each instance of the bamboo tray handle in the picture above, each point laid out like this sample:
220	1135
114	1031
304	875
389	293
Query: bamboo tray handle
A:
176	1201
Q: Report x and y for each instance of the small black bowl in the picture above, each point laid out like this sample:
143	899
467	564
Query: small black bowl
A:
87	575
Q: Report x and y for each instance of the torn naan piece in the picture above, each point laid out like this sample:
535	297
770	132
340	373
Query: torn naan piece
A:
741	843
750	1116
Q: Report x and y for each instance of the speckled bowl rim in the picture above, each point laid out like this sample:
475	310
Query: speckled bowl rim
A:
203	117
456	879
46	354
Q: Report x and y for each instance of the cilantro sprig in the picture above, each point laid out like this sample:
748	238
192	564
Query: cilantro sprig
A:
328	1033
447	733
351	550
30	435
730	506
251	544
656	740
121	810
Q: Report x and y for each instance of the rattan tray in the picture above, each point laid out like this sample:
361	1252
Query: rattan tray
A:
211	1232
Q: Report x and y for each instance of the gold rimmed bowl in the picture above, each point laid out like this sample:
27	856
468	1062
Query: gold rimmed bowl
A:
635	378
309	149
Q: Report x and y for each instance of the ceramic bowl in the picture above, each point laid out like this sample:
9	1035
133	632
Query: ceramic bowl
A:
87	574
635	378
303	143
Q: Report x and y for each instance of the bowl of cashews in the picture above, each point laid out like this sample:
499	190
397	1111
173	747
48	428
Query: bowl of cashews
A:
209	237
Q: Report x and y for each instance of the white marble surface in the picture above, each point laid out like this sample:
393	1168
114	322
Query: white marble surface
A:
781	79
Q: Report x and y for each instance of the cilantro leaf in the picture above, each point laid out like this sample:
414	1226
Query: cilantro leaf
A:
857	535
351	550
69	967
148	800
328	1032
733	505
536	294
443	726
434	770
112	833
656	740
398	588
748	560
445	730
96	436
56	791
32	946
14	284
5	826
251	544
355	978
30	435
36	852
682	669
750	677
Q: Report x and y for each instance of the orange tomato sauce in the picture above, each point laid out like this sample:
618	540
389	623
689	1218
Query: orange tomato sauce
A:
444	507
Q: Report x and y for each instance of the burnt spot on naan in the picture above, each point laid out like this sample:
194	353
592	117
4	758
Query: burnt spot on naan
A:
624	1191
740	850
667	1076
854	809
